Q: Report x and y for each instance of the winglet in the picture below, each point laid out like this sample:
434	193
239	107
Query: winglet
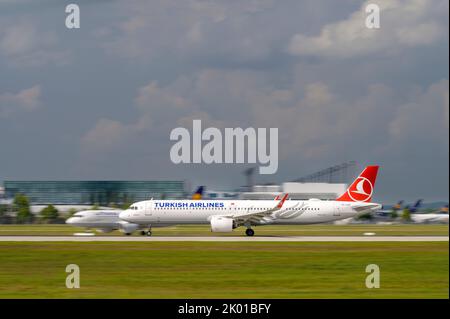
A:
280	204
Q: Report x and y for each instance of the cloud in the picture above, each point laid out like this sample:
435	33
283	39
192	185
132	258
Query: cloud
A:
342	92
22	44
26	100
403	24
318	94
232	31
424	118
314	121
105	135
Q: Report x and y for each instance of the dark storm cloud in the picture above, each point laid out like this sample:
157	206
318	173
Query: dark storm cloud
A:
99	102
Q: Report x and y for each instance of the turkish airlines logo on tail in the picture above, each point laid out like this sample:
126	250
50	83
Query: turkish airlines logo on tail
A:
361	190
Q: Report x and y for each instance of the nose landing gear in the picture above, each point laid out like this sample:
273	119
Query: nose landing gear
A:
147	232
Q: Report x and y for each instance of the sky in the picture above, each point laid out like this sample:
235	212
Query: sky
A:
99	102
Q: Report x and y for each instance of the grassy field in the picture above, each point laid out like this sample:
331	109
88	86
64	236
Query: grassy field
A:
204	230
224	270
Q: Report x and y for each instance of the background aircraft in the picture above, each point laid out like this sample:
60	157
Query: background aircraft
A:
387	213
414	208
198	194
104	221
439	217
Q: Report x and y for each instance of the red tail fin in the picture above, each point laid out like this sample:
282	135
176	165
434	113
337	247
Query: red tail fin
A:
362	188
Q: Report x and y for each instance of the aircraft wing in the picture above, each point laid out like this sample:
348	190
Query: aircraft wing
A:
258	216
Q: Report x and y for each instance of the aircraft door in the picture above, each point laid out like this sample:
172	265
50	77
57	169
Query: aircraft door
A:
337	210
149	209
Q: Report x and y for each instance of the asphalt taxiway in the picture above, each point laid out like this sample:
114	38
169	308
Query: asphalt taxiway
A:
224	239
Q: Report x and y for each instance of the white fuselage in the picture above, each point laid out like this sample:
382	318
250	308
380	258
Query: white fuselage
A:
102	220
96	219
169	212
430	218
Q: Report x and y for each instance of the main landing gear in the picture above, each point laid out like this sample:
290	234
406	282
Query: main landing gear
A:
249	232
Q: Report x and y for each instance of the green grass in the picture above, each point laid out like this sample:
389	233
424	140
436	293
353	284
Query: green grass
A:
204	230
224	270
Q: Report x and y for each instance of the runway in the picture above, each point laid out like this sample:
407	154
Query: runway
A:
224	239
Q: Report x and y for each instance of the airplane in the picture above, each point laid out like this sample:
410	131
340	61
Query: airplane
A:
106	221
388	212
198	194
415	207
226	215
440	217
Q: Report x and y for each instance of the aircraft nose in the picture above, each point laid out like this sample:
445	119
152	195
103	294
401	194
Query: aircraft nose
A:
70	220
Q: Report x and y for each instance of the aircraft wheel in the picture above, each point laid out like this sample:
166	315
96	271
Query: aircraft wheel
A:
128	234
249	232
143	233
149	233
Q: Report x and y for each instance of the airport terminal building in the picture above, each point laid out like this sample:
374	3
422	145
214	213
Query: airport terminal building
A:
93	192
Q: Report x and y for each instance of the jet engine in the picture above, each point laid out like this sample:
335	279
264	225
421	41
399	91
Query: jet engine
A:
128	228
222	224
